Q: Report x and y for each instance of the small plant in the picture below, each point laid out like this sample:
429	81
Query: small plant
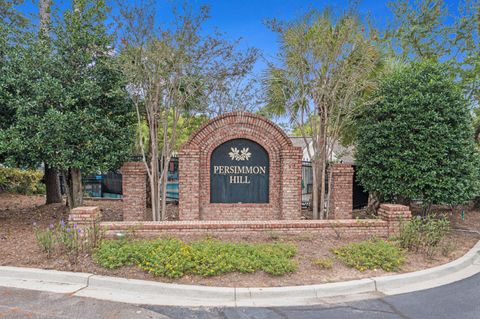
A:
272	235
336	230
45	239
447	248
424	235
70	240
323	263
91	237
371	254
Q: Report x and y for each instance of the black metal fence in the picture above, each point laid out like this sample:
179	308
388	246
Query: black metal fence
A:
307	184
360	195
110	184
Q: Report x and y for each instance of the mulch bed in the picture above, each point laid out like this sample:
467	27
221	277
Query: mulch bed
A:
19	248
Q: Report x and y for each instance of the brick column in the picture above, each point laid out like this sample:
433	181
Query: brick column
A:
291	194
394	215
134	189
189	185
341	205
85	218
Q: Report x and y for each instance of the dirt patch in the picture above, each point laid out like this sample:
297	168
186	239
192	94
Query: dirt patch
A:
18	248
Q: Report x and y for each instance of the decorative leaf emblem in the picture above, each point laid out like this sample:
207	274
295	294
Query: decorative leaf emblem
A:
237	155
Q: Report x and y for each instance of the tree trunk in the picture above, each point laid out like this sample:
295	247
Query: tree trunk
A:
315	214
52	185
329	193
154	180
74	188
373	203
44	16
166	162
323	163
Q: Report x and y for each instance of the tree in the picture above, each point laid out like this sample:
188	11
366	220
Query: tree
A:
424	29
51	178
416	141
172	73
326	64
71	107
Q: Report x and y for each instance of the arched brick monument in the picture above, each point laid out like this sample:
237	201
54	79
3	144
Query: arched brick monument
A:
240	166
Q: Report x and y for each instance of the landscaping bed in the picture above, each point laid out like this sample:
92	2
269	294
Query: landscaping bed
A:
314	257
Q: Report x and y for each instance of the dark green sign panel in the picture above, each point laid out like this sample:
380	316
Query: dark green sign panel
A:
239	172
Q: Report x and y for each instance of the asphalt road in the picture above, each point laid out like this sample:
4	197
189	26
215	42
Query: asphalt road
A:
458	300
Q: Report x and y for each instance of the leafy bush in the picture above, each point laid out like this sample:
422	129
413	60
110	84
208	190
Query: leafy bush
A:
416	141
45	239
173	258
69	239
27	182
371	254
423	234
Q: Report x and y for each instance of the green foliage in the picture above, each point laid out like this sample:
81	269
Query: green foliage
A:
45	239
69	239
372	254
66	96
424	29
323	263
173	258
15	180
416	140
425	235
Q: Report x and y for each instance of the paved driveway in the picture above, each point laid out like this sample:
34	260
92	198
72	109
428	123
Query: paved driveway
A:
457	300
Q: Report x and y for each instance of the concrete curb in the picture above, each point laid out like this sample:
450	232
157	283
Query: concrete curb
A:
44	280
148	292
463	267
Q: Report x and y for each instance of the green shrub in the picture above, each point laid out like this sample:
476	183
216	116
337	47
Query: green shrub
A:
424	235
371	254
173	258
45	239
27	182
69	239
415	140
323	263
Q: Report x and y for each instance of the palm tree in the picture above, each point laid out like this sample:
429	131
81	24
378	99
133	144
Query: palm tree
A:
326	65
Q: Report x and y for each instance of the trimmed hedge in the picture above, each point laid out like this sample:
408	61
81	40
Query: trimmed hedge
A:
15	180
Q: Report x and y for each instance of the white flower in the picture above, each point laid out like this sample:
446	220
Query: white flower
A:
243	155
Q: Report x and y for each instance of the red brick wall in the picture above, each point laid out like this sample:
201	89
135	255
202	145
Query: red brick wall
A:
395	215
341	205
134	189
333	228
284	179
391	217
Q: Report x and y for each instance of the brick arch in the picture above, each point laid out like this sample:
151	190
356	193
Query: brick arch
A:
284	178
233	120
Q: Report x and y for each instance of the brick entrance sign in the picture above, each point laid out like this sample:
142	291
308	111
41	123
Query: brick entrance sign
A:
239	166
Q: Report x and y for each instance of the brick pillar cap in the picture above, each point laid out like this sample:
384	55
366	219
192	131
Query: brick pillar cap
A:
133	168
394	207
85	209
345	167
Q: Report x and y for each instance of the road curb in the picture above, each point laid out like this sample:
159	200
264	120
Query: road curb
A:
460	268
43	280
149	292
